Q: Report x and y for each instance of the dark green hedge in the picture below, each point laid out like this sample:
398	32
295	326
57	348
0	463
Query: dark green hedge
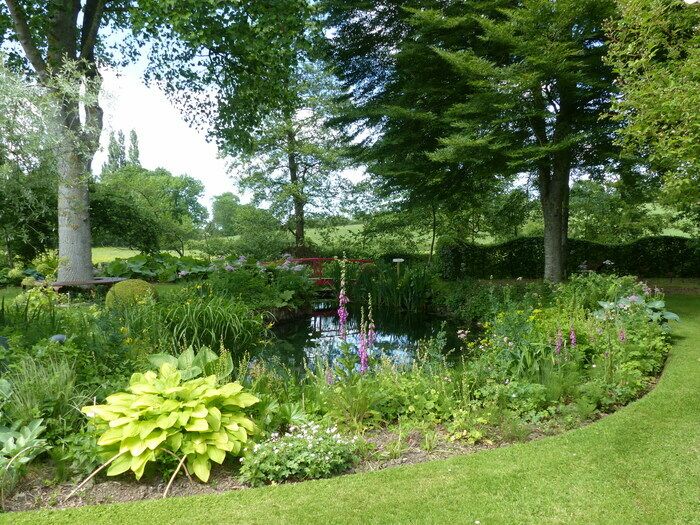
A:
524	257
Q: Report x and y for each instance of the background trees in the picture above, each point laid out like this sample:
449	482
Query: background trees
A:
522	90
655	49
165	206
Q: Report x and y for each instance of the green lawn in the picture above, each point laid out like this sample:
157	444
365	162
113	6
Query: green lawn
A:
639	465
9	293
109	253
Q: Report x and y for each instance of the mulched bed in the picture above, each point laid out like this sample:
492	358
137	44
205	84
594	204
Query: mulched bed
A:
37	490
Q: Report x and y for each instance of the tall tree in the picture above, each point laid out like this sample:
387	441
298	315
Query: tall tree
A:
223	210
296	159
248	71
134	154
169	204
59	40
523	90
116	151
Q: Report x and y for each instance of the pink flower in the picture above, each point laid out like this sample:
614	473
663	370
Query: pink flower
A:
559	343
572	336
342	304
622	335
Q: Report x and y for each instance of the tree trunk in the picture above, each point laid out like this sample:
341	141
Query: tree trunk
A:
554	197
297	197
74	238
65	43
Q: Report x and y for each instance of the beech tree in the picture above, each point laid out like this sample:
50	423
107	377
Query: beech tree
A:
460	97
59	40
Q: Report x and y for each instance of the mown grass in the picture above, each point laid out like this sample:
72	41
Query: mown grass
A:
639	465
9	292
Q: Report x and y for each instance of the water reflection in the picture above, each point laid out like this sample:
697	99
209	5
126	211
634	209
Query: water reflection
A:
317	337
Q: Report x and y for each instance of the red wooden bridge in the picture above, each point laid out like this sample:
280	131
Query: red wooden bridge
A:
317	264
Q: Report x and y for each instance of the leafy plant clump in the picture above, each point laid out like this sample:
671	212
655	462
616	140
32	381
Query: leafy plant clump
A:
196	421
18	447
306	452
129	292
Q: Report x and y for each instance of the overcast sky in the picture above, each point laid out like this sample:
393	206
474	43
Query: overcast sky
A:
165	139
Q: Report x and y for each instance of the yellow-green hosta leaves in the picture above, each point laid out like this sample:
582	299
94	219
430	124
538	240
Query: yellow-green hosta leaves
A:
161	412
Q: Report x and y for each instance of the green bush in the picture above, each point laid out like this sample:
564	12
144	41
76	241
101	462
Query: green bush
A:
195	420
46	264
163	268
210	321
307	452
524	257
130	291
45	389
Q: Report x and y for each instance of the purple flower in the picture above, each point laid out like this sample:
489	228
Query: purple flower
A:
229	268
572	336
371	329
298	267
362	348
330	378
342	304
622	335
634	298
559	342
242	259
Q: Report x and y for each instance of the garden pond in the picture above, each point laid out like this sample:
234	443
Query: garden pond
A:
316	336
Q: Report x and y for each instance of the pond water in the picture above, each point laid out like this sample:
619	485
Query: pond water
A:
317	336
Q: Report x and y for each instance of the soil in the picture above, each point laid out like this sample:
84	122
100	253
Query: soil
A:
38	490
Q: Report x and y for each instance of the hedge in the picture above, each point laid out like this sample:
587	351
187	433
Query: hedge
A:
524	257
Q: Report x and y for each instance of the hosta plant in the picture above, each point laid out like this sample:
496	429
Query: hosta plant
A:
196	420
203	362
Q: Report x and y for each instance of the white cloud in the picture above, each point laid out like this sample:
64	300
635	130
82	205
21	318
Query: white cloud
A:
165	139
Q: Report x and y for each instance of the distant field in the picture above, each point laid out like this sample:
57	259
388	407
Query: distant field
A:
109	253
8	293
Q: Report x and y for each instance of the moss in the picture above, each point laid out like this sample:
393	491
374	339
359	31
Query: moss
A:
129	292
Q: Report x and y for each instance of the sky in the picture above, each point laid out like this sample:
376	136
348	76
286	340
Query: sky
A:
165	139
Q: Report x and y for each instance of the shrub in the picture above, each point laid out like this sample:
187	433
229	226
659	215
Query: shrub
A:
19	445
46	264
246	283
15	275
160	414
410	289
44	389
524	257
307	452
129	292
211	321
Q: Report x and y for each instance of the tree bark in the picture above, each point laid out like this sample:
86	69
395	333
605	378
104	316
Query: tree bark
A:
554	173
66	42
553	194
297	198
74	237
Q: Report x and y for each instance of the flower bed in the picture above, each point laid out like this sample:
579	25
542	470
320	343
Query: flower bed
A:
544	361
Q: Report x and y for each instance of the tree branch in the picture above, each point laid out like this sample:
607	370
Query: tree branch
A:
24	36
92	18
